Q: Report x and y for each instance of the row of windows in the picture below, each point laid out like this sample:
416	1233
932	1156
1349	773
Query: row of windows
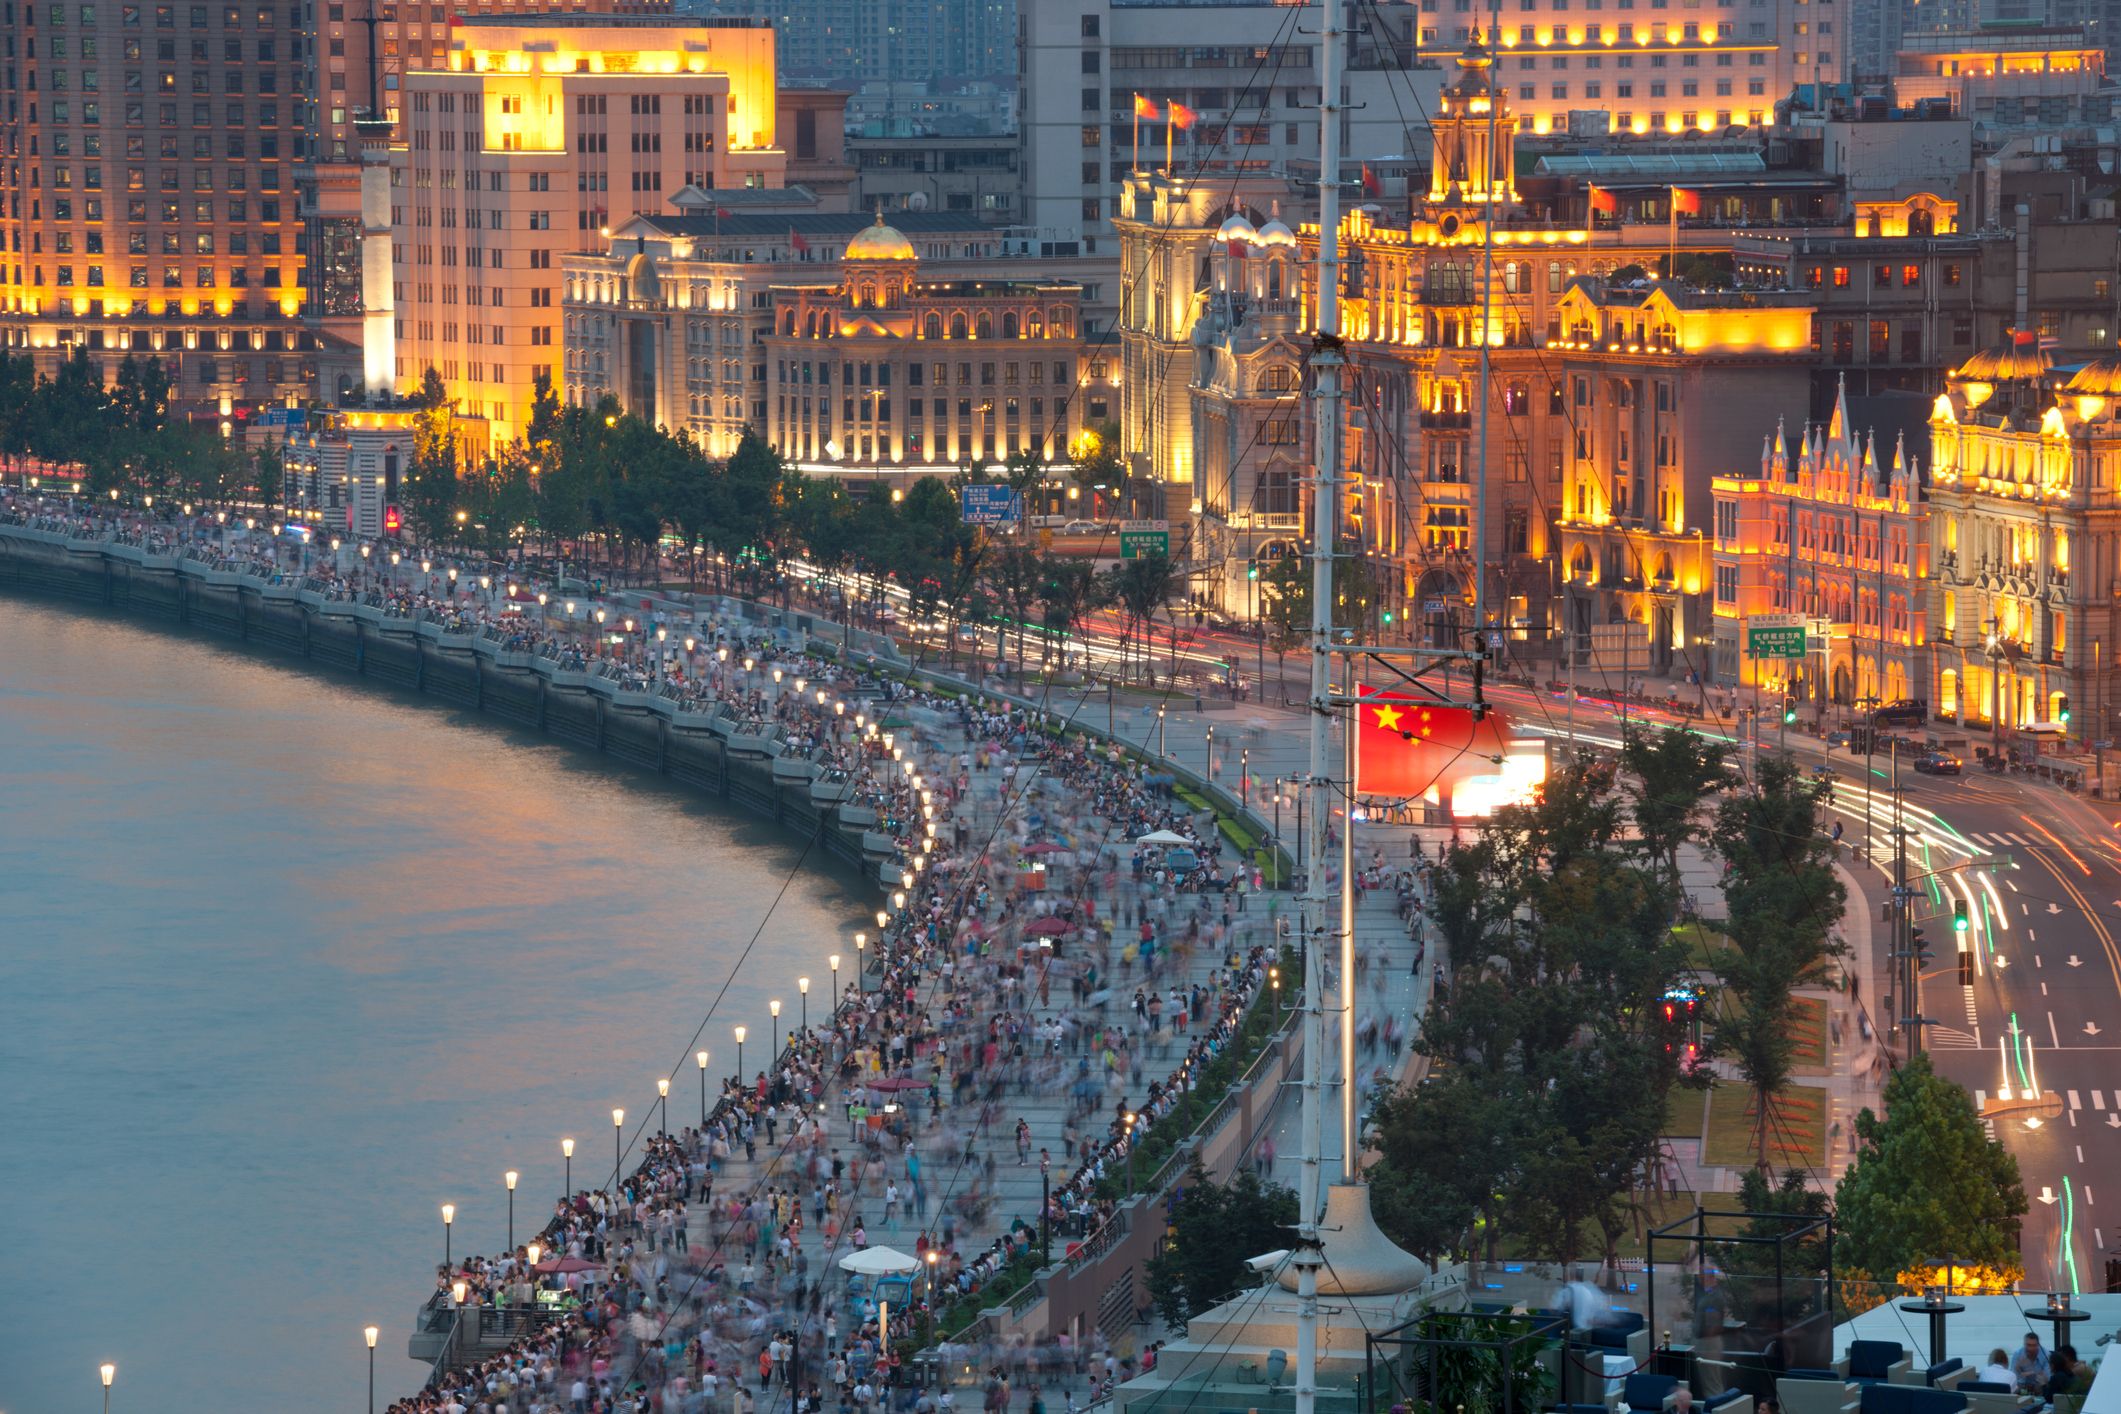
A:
169	179
137	210
206	277
231	16
164	81
1592	63
264	115
1882	275
878	376
201	243
878	409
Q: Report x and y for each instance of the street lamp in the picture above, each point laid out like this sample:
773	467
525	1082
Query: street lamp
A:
861	957
510	1178
740	1055
662	1092
835	961
802	985
618	1151
1211	755
774	1006
1131	1116
701	1057
109	1372
1274	976
449	1219
1244	777
370	1333
567	1153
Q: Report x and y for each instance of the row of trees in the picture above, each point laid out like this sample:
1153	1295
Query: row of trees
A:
1554	1069
121	434
600	487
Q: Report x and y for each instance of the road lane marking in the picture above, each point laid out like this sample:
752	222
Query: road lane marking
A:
2080	1153
2098	1100
2043	989
2052	1032
2074	1102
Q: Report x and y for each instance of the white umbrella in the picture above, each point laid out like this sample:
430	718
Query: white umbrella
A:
1164	837
879	1262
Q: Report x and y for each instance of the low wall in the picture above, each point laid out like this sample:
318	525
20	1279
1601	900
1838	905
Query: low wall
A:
641	729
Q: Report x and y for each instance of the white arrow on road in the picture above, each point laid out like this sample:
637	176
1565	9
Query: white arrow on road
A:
2047	1195
2091	1028
2075	961
2054	908
2113	1121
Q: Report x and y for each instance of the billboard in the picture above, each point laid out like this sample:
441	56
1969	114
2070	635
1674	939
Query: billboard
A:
986	504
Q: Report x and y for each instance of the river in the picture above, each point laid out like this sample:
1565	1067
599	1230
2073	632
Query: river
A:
290	962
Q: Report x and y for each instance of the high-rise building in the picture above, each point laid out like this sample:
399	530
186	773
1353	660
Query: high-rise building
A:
539	135
864	41
147	196
1249	71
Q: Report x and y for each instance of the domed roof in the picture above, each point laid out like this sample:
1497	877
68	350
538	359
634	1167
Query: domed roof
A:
1275	233
2101	378
1475	70
1235	228
880	242
2005	363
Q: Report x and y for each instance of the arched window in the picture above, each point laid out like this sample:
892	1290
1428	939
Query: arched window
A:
957	325
932	326
1009	324
788	322
1279	378
986	325
1035	325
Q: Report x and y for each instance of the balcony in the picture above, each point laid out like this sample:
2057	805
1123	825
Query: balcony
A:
1447	420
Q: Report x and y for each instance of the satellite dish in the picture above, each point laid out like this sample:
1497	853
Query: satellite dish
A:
917	201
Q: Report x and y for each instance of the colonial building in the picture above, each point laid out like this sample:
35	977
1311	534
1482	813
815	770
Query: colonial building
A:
2026	469
1832	530
675	315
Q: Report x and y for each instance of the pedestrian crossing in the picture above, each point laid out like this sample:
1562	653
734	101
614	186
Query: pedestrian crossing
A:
1998	838
1951	1038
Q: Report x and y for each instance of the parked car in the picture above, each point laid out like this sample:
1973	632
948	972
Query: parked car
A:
1939	763
1907	712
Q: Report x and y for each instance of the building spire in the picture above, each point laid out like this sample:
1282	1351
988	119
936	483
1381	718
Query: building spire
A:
1837	430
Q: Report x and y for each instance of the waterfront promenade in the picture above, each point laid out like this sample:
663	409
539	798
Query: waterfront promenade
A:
988	1002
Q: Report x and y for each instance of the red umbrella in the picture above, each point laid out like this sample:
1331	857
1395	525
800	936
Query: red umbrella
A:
1048	928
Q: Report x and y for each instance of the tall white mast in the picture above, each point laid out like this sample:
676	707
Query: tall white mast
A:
1326	363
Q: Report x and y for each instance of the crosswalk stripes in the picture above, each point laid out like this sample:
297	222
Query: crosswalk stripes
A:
2098	1100
1998	837
1951	1038
2074	1102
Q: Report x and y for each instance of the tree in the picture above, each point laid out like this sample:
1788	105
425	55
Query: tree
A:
1672	771
1140	586
1285	605
1215	1228
429	487
1928	1181
1783	897
1015	573
1099	462
1071	591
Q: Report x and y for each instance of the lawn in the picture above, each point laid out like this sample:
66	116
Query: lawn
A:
1796	1133
1808	1035
1705	945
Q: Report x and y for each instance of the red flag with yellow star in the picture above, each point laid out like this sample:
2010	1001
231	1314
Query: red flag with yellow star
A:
1404	745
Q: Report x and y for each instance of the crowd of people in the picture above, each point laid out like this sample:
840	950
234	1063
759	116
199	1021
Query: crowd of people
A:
691	1282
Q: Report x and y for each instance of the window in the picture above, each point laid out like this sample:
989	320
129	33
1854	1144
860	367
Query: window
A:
1841	277
1911	277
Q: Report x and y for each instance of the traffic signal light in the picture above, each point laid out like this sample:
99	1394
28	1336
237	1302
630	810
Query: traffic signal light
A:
1251	571
1966	967
1388	618
2062	708
1789	710
1959	919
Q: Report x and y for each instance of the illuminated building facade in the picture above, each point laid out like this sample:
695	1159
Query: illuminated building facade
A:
2026	491
2016	76
1832	530
694	320
147	194
539	135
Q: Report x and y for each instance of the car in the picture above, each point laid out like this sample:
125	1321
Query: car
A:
1939	763
1081	527
1907	712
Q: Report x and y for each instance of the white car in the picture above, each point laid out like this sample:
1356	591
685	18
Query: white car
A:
1081	527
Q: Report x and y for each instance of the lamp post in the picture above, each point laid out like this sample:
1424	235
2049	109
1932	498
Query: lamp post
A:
449	1219
1274	976
662	1096
701	1057
370	1333
1211	756
1130	1116
109	1372
510	1178
618	1150
802	986
1160	725
1244	777
567	1153
740	1055
861	957
835	961
773	1052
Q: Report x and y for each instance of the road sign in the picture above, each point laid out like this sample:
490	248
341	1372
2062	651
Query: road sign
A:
1144	537
986	504
1775	636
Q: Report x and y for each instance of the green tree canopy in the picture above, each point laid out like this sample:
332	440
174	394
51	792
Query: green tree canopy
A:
1927	1182
1215	1228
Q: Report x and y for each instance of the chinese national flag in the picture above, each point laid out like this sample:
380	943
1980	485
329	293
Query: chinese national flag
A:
1145	107
1370	185
1405	745
795	238
1239	250
1603	200
1686	203
1181	116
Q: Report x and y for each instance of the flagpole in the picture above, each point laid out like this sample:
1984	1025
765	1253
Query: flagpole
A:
1170	136
1671	260
1137	132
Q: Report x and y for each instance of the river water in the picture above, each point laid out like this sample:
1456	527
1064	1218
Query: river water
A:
286	963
